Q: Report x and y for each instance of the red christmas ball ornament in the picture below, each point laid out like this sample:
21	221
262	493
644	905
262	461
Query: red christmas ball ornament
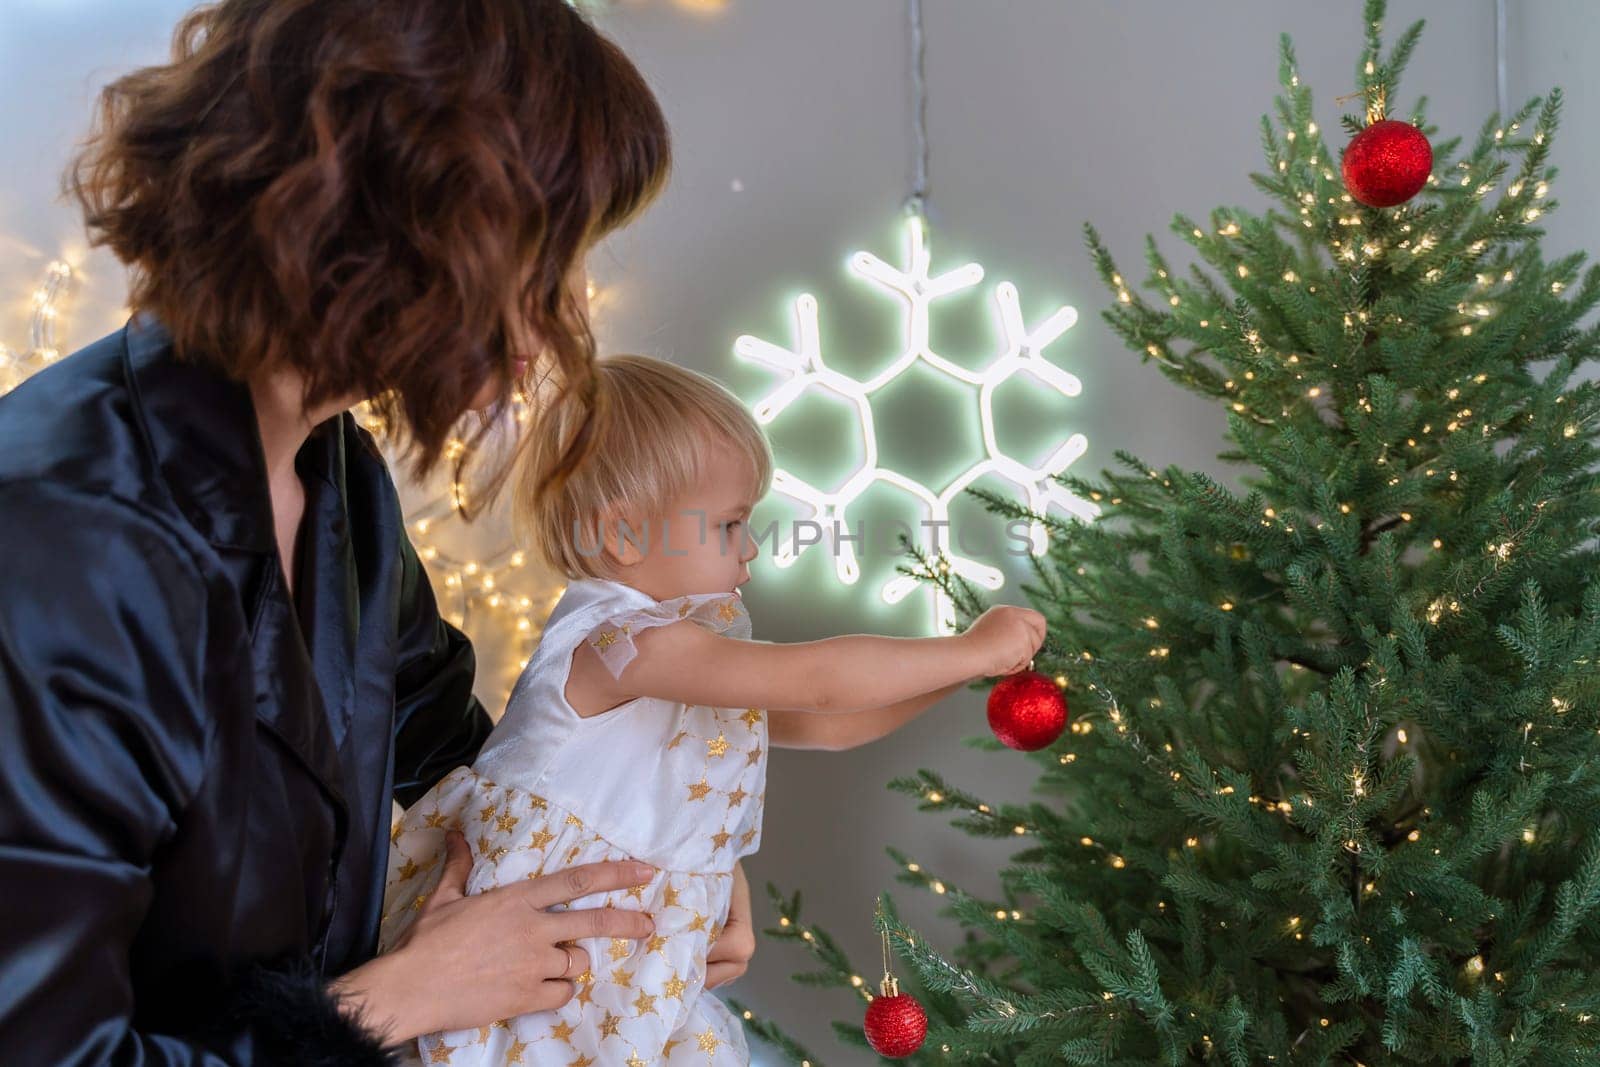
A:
1027	711
896	1025
1387	163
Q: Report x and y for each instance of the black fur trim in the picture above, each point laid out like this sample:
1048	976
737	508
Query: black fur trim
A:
294	1021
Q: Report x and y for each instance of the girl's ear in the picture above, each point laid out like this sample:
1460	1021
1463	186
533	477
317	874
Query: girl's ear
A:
621	538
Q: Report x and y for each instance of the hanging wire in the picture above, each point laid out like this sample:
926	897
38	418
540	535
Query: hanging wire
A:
890	985
1501	98
916	203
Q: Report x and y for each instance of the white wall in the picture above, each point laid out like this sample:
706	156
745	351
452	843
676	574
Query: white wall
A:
1043	114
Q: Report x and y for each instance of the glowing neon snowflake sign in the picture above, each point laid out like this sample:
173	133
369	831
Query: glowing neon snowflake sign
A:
1020	352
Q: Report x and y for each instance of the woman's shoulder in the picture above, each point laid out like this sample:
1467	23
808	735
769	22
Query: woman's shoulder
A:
73	422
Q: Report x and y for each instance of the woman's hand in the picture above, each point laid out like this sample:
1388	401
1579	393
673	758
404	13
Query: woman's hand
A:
469	961
730	954
1006	637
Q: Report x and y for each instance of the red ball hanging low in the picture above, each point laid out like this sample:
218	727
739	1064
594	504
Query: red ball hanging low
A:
1027	711
896	1025
1387	163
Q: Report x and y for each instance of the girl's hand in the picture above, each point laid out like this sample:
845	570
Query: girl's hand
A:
731	953
469	961
1006	638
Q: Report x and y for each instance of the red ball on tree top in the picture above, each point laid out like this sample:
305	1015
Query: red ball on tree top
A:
896	1025
1027	711
1387	163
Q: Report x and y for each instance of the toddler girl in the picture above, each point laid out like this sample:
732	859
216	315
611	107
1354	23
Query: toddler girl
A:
641	726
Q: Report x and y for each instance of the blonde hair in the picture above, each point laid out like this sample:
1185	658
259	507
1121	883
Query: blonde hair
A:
651	425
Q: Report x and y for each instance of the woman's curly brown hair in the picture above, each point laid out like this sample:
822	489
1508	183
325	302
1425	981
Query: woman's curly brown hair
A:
384	195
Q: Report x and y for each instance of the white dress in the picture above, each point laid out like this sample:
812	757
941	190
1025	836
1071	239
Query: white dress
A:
678	786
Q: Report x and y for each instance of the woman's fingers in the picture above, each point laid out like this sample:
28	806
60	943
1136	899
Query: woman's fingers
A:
718	974
556	993
600	922
569	964
563	887
453	878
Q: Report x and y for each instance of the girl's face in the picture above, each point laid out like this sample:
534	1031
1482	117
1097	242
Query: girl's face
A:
703	544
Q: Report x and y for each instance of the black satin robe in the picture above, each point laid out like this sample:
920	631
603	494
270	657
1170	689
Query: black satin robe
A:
195	769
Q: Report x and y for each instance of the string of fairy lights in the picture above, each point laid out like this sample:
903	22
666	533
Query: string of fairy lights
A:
44	311
499	597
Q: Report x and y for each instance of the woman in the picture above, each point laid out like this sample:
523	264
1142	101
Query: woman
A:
219	656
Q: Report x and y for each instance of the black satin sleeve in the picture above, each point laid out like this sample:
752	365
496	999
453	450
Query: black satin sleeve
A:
439	725
111	671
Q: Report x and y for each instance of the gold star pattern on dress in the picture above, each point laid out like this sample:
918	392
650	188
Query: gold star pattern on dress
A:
440	1054
394	833
626	996
416	905
606	639
434	819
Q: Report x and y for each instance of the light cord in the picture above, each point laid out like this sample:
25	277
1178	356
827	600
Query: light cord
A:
916	203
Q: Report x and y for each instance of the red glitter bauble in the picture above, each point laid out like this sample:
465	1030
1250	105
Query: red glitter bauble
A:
896	1026
1387	163
1027	711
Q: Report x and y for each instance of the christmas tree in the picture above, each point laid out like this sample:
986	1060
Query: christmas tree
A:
1331	793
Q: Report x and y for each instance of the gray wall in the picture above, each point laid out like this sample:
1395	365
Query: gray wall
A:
791	120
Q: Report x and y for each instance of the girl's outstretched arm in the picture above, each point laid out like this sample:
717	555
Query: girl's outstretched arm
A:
686	663
835	733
